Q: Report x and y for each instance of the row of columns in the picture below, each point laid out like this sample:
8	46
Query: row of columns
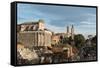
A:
39	39
36	38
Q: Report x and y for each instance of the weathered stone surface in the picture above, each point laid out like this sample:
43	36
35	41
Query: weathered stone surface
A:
26	53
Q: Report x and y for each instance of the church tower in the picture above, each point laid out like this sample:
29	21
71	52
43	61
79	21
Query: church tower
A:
67	29
72	32
68	32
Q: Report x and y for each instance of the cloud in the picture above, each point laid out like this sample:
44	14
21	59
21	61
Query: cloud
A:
87	23
58	17
56	29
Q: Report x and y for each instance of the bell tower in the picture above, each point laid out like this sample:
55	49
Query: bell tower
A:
72	32
68	32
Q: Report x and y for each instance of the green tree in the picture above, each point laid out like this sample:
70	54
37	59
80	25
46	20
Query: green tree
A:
65	40
79	40
94	39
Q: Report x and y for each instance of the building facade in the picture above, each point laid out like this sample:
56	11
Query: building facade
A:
69	33
34	34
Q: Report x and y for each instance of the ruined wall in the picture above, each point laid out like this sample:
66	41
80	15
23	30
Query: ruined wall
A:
27	39
34	38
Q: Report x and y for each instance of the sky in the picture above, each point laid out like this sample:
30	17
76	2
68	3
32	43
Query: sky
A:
57	18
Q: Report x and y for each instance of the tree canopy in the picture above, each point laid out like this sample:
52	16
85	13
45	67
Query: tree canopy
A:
79	40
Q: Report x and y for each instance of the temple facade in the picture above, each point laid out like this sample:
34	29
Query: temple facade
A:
33	34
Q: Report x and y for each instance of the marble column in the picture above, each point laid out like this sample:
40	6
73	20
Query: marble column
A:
41	39
37	38
34	38
44	40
